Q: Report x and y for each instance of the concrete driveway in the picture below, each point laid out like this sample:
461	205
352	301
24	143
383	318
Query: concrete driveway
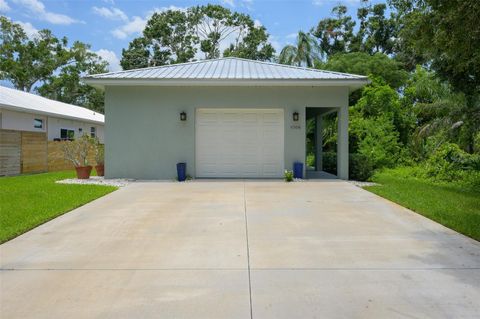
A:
240	249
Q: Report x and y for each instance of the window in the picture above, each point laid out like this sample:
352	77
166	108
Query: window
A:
93	131
38	123
66	134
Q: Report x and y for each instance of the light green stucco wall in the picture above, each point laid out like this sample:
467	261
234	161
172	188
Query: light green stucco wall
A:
145	137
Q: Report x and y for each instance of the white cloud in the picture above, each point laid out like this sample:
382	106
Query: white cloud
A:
4	7
163	9
38	8
111	58
29	29
134	26
275	43
230	3
291	35
112	14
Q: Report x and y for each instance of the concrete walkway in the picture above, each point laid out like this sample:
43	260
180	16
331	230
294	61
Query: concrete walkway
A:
235	249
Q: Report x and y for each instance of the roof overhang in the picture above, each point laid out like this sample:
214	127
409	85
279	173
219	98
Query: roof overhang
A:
352	84
52	114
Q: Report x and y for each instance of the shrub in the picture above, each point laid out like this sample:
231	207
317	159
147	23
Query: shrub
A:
377	139
310	160
288	176
360	166
329	162
449	163
99	153
76	151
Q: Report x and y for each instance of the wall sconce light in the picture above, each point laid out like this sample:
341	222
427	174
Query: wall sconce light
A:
295	116
183	116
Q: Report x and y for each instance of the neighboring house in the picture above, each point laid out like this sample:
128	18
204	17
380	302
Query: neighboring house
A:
21	111
227	117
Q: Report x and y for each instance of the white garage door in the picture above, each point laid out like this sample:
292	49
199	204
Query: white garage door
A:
239	142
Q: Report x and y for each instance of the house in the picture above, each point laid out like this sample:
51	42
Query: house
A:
225	118
31	126
22	111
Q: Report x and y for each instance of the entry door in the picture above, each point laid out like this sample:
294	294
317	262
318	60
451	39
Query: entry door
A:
239	143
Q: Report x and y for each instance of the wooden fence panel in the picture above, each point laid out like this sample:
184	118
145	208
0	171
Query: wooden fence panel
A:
56	159
30	152
34	152
10	152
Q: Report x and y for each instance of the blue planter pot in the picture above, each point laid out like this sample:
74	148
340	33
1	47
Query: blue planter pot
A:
182	172
297	170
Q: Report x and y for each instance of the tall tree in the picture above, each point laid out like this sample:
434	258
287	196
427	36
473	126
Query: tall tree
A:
254	46
447	34
25	61
176	36
66	85
380	30
304	53
335	34
168	38
48	65
378	65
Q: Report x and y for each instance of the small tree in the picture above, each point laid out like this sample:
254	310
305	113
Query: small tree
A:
99	153
77	151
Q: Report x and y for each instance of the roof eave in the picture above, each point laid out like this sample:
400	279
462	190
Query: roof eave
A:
52	114
352	84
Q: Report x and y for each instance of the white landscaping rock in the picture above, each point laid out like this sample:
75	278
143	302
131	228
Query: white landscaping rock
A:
363	184
97	180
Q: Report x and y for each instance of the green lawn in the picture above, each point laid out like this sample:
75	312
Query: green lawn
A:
450	204
30	200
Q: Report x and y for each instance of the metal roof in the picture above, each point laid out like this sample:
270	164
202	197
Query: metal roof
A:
27	102
224	71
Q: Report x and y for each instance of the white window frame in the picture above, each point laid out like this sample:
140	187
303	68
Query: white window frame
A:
41	121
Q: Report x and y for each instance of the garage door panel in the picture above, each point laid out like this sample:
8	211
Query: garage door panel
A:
239	143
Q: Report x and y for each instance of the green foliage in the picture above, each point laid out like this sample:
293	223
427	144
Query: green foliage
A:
447	33
360	167
449	163
304	53
336	33
31	200
310	160
329	162
168	38
379	65
375	138
99	152
376	33
25	61
77	151
380	100
442	115
288	176
379	127
175	36
50	64
66	85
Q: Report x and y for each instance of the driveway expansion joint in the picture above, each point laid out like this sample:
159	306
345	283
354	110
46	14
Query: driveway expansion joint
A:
248	250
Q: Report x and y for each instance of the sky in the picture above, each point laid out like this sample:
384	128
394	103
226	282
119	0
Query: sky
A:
109	25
